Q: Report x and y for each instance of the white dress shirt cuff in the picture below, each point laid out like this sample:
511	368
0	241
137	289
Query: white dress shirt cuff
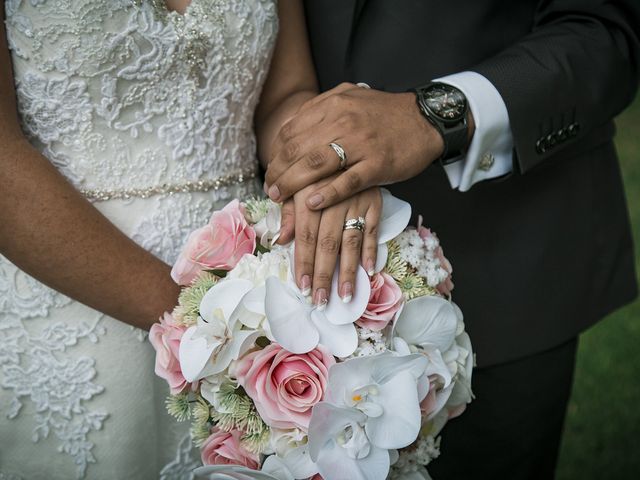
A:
490	154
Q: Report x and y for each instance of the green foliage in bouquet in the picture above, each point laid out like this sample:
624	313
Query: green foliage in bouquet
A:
240	414
237	412
256	209
179	406
188	309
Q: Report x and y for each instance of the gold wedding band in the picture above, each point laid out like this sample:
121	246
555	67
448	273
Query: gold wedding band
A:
341	155
354	224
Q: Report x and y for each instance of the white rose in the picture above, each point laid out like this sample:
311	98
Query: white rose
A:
258	269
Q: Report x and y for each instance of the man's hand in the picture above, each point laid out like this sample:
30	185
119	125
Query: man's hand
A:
384	135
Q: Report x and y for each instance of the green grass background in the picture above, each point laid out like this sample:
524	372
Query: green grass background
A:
602	432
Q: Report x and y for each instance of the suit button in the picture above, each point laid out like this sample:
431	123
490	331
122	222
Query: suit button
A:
574	128
562	135
540	148
551	140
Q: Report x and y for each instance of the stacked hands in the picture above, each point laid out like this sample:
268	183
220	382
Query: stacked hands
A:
327	163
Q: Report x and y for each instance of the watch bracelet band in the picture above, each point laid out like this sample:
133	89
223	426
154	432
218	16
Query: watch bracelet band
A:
456	140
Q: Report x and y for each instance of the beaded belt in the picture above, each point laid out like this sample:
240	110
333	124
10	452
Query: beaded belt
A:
186	187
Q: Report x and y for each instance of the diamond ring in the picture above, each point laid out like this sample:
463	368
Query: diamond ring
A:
354	224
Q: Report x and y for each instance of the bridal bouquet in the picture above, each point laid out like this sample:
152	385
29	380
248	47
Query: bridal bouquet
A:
279	389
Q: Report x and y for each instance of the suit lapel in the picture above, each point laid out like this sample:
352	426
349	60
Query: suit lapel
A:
344	16
332	24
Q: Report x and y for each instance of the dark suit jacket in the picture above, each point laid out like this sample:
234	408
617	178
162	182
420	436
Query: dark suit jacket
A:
542	254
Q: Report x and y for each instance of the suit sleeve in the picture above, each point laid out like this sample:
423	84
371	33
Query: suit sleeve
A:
569	77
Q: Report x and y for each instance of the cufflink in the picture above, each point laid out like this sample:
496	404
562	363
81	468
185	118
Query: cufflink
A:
486	162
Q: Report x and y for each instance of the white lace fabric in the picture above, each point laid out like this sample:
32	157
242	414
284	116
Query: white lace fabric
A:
119	95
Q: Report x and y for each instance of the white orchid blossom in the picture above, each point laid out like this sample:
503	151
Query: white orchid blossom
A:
272	469
292	447
428	325
268	227
434	327
219	337
385	388
394	219
462	393
299	326
428	321
371	408
340	446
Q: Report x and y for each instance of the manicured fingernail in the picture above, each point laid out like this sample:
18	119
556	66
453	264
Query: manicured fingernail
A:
347	292
321	299
316	200
265	187
305	285
371	267
274	192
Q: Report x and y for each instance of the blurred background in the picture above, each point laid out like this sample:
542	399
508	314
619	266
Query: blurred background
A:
602	430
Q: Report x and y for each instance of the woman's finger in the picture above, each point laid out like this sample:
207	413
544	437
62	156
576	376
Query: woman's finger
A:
370	237
328	246
350	251
306	235
287	222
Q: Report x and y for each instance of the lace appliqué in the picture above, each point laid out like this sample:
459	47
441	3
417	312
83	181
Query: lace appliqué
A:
186	460
35	364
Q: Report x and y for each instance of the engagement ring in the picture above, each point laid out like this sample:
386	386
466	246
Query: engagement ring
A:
354	224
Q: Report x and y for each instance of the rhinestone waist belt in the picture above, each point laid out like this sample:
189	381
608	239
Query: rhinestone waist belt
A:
236	178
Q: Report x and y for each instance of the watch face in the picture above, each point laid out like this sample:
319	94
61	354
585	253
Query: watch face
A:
446	102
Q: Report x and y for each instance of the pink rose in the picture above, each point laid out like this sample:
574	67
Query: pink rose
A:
165	338
285	386
224	448
218	245
384	302
446	285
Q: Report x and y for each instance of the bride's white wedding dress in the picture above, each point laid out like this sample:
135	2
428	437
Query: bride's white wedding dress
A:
149	113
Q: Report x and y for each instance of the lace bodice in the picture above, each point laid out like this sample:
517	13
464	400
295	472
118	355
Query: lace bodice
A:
122	96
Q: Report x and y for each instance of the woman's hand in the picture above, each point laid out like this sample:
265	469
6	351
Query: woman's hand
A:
321	235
